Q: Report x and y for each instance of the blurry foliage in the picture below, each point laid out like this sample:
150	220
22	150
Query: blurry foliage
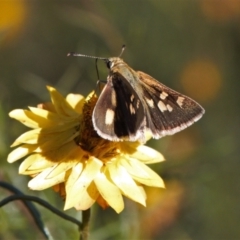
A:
191	46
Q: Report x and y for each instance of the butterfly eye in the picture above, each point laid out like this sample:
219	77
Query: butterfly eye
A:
109	64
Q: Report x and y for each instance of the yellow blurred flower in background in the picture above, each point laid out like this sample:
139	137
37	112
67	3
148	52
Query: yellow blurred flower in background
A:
220	10
202	79
63	151
12	17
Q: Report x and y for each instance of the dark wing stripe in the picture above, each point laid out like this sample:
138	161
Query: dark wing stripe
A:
129	110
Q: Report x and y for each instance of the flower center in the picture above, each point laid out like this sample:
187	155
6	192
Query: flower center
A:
89	140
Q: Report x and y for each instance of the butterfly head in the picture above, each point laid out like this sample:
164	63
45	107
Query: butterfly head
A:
114	62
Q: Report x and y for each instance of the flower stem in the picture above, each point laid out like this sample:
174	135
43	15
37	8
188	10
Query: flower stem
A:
85	224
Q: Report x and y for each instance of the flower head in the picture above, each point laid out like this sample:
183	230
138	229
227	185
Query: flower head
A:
63	151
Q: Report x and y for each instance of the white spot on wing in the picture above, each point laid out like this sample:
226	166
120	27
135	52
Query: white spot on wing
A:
180	101
132	109
150	102
169	108
163	95
132	98
138	103
109	117
162	106
113	99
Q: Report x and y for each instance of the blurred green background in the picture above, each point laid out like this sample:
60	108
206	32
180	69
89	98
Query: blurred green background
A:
192	47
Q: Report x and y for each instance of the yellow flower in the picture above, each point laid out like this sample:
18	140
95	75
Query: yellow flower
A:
64	152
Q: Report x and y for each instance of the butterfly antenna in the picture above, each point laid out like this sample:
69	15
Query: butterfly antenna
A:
83	55
123	48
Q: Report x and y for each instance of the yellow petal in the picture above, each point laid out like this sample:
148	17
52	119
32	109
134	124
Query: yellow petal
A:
34	164
27	118
124	181
147	155
110	192
48	116
45	140
89	172
41	181
61	105
57	140
142	173
87	198
29	137
148	135
90	95
74	175
141	189
20	152
128	147
59	168
76	101
64	153
62	126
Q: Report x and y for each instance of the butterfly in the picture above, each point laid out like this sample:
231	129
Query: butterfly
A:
132	103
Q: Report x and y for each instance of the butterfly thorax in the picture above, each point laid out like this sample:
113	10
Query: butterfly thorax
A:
121	70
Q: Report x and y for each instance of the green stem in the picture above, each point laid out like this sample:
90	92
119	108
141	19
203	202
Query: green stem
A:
85	224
